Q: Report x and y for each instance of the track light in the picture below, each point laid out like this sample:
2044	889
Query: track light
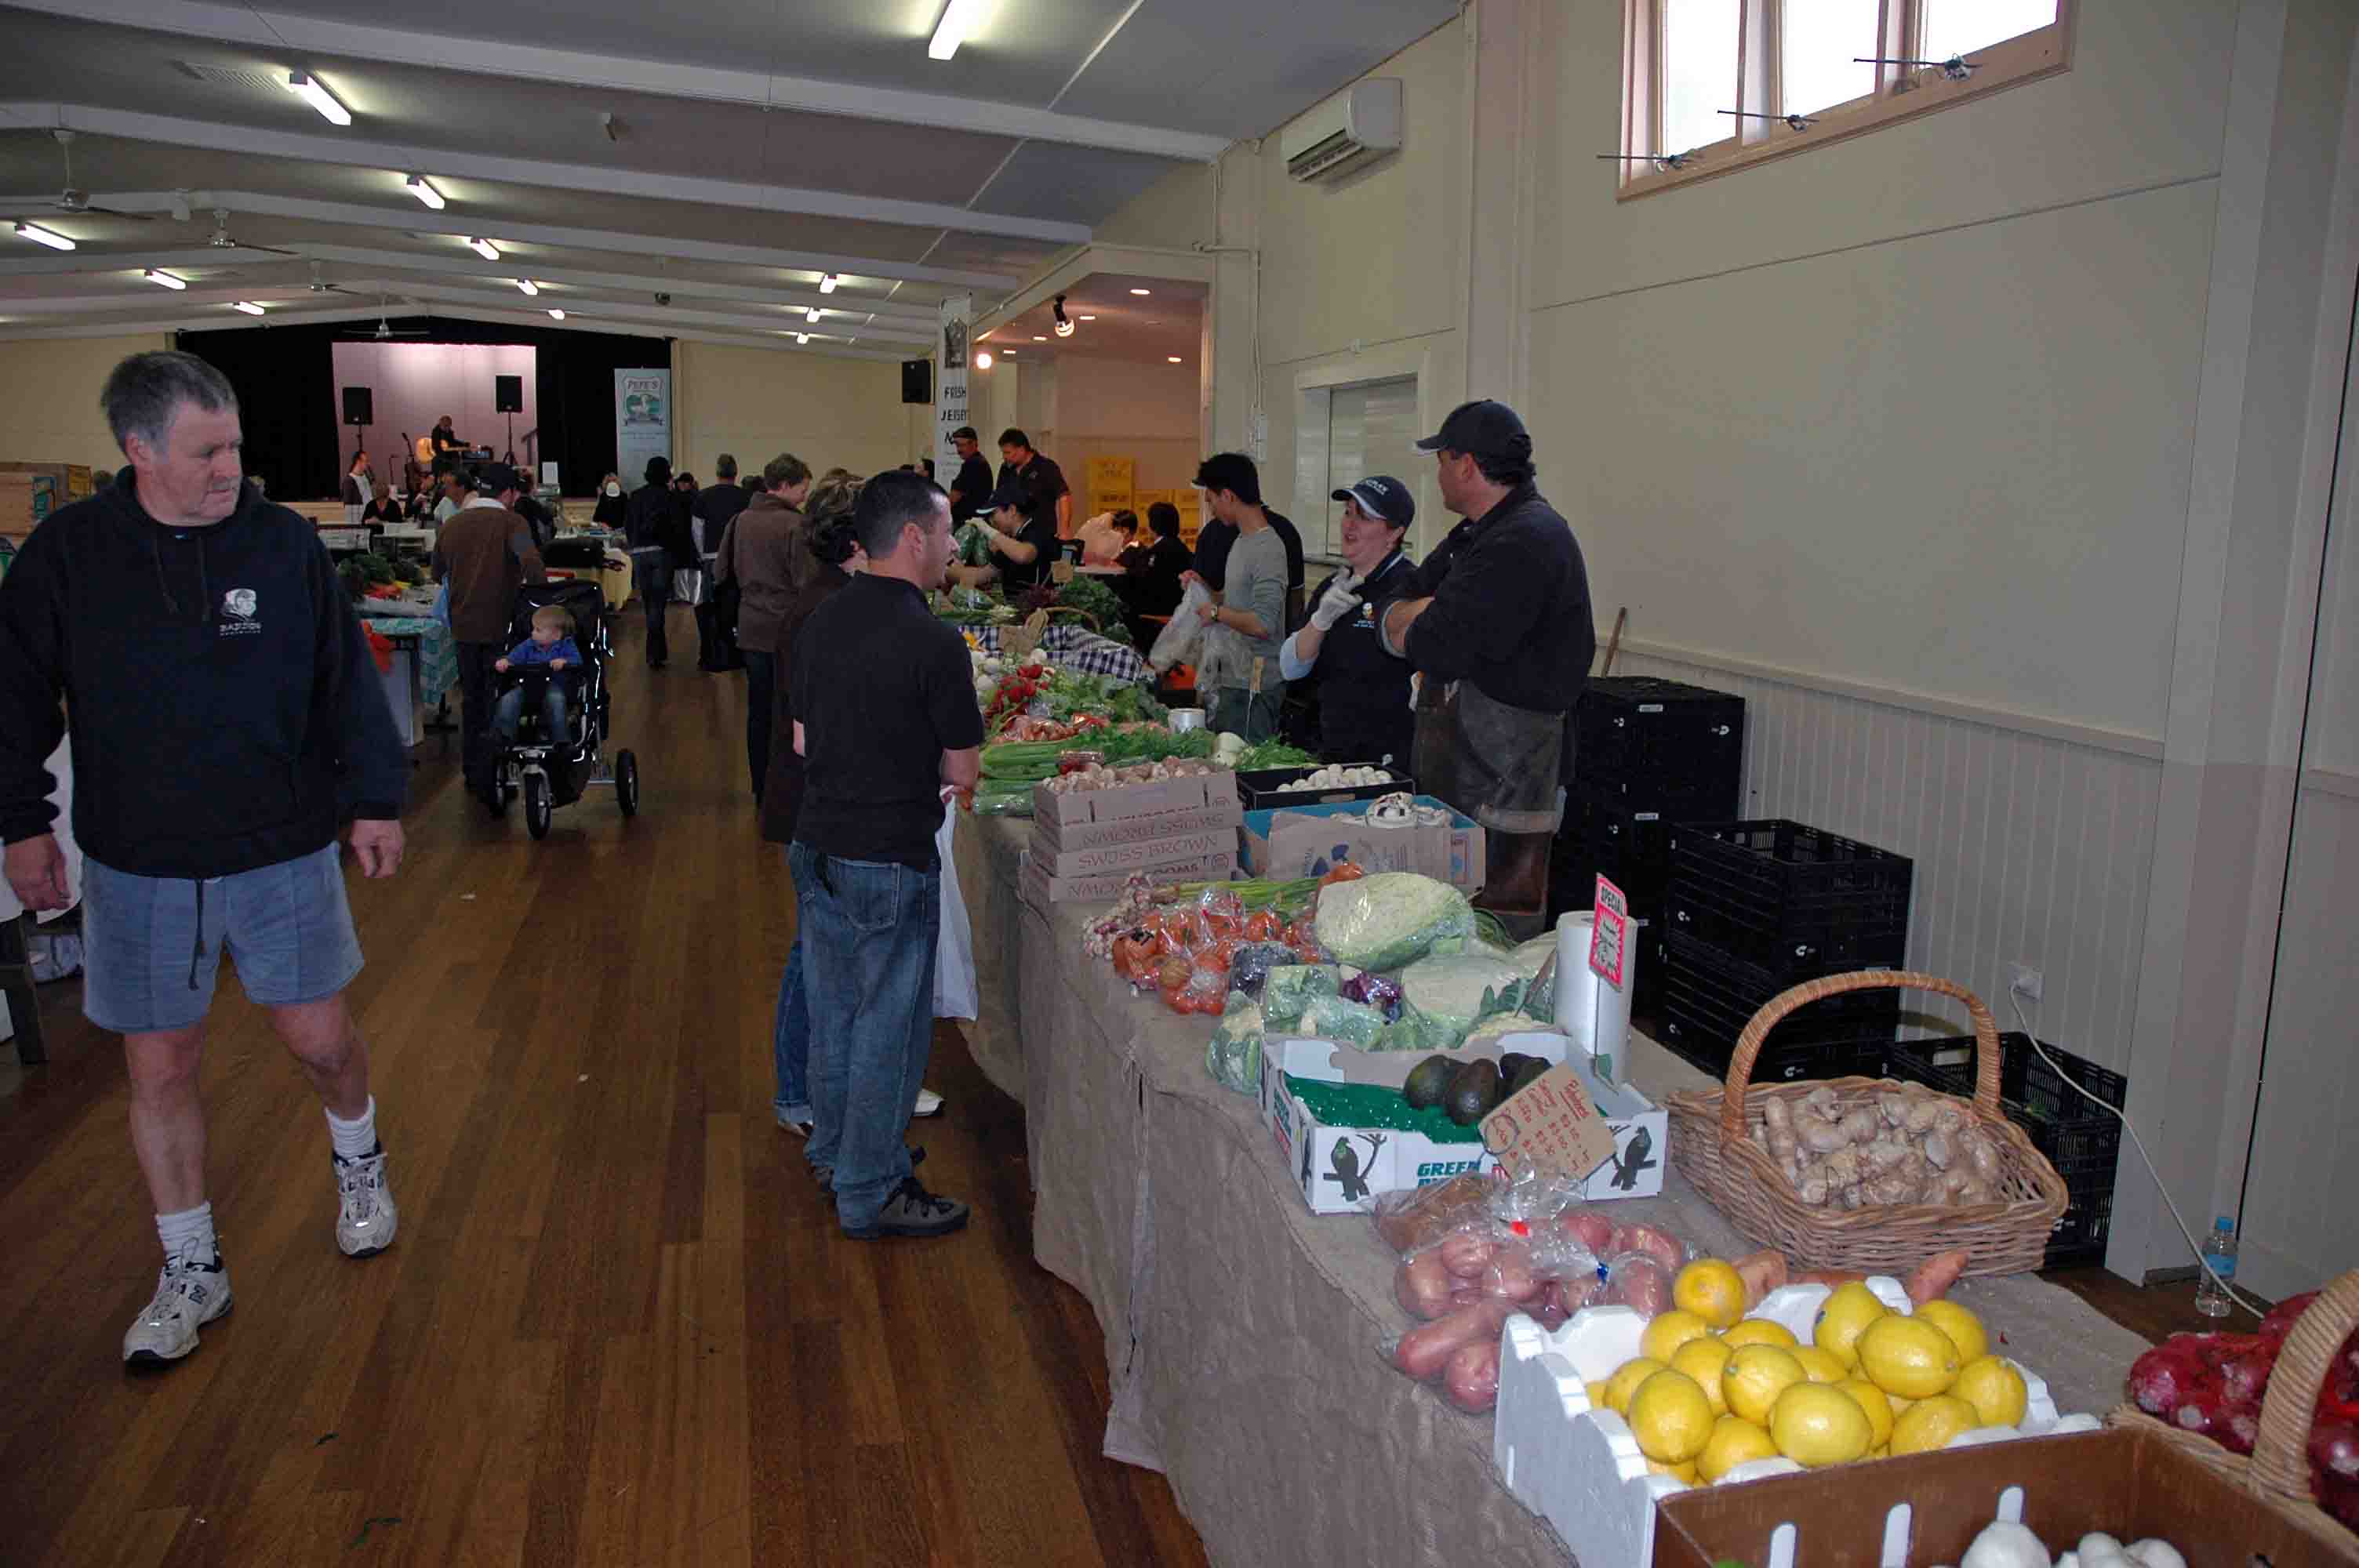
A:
1038	338
308	89
1085	318
1175	359
528	285
248	306
827	283
557	315
1064	324
41	236
958	18
486	249
166	278
423	189
982	360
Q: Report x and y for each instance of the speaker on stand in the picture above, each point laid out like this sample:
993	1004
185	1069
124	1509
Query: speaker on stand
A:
360	411
508	397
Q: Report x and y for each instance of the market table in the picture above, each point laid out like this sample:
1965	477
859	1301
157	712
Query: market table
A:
1243	1333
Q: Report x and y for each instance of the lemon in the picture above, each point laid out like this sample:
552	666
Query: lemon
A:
1843	1318
1930	1424
1686	1473
1993	1386
1596	1396
1625	1381
1668	1331
1670	1418
1902	1356
1755	1376
1964	1329
1820	1366
1899	1403
1815	1426
1761	1331
1734	1441
1881	1451
1876	1402
1711	1289
1704	1360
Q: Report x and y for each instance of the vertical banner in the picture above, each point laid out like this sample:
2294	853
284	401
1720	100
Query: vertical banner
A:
642	422
954	364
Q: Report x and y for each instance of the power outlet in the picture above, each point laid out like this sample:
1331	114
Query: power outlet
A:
2025	981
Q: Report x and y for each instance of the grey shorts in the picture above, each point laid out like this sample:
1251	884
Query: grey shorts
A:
152	945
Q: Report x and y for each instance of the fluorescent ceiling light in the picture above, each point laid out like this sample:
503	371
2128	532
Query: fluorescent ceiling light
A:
166	278
1175	359
41	236
557	315
1142	291
802	337
1084	318
486	249
423	189
813	315
308	89
248	306
826	284
1039	338
527	285
982	360
958	20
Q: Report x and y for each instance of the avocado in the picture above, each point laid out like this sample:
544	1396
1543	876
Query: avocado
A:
1474	1091
1525	1076
1512	1063
1427	1082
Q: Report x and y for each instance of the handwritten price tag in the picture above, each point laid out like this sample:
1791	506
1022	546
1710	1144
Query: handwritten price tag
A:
1550	1125
1608	940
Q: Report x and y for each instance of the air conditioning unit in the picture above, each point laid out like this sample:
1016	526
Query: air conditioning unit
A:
1361	123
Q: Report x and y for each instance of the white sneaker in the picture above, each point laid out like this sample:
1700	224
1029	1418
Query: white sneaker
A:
365	1216
929	1104
186	1297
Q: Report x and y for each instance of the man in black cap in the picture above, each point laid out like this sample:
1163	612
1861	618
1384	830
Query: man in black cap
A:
1044	482
1364	694
482	555
1497	622
1022	534
972	487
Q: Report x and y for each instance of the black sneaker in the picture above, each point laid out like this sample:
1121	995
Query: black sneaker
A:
914	1211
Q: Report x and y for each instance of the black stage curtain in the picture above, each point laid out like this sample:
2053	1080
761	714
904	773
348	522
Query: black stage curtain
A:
285	378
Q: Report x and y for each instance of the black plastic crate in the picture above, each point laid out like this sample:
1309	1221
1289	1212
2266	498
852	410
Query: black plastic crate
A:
1258	787
2080	1236
1708	999
1795	899
1633	848
1659	744
1780	1064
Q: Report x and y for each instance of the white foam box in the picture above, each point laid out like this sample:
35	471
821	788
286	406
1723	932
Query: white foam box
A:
1578	1465
1401	1159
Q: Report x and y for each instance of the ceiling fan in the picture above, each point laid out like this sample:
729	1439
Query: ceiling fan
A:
68	200
222	242
383	330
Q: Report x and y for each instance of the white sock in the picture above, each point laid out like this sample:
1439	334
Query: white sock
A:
188	1234
355	1138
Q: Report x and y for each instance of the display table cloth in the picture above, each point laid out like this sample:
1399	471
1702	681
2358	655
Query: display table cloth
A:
1077	648
1243	1333
438	655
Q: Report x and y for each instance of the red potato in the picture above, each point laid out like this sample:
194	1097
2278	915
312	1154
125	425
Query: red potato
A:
1422	1286
1467	1253
1931	1279
1466	1295
1639	1237
1638	1281
1425	1350
1592	1230
1509	1275
1471	1379
1575	1294
1828	1276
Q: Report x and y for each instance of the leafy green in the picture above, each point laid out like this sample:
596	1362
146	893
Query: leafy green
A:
1274	754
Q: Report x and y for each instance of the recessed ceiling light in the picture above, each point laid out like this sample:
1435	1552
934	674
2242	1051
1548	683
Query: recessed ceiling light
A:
983	361
528	285
1142	291
41	236
248	306
827	283
1176	359
802	337
308	89
557	315
1009	352
166	278
958	18
423	189
1039	338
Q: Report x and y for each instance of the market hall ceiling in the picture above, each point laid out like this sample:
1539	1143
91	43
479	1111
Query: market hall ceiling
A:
730	154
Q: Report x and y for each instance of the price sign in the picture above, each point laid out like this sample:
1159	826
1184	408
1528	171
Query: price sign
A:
1608	939
1550	1125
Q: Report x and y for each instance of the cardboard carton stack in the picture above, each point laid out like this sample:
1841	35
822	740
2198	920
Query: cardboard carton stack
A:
1086	844
29	493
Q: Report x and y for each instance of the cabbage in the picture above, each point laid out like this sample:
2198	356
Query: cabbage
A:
1392	918
1348	1022
1290	988
1459	991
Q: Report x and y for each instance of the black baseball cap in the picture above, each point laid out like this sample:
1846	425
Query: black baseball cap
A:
494	478
1382	496
1011	493
1484	429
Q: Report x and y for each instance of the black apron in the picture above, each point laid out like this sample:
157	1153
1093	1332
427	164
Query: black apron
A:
1498	765
1364	701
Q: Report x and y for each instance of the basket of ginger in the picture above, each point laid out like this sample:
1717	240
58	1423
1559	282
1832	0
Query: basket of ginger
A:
1867	1173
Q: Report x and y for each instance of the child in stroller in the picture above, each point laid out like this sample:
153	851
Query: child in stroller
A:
551	645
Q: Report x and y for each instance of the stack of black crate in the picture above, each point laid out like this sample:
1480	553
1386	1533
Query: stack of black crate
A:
1647	753
1757	908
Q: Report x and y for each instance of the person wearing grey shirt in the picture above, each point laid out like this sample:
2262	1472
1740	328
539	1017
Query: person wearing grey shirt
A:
1253	598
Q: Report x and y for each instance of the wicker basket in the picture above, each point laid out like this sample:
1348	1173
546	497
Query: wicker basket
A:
1018	643
1717	1143
2277	1473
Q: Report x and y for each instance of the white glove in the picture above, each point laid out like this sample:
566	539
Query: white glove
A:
1340	599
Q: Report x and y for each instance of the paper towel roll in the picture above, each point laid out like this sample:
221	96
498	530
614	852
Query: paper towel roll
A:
1594	1014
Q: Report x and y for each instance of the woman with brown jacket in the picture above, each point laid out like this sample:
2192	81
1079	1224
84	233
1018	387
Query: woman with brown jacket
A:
766	552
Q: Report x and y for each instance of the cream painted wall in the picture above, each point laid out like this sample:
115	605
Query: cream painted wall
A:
1118	408
755	404
48	398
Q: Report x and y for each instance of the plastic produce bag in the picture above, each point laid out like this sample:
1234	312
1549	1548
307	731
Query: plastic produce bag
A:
1418	1216
1419	1032
1176	643
955	993
1348	1022
1458	991
1223	660
1290	989
1249	970
1391	919
1379	991
1232	1056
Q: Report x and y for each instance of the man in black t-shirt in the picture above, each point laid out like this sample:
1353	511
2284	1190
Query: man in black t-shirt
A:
1044	482
887	727
972	486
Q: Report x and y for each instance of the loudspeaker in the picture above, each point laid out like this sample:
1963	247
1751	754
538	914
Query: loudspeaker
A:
360	406
917	381
508	394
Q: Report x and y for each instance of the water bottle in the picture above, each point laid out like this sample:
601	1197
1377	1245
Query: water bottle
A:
2220	1257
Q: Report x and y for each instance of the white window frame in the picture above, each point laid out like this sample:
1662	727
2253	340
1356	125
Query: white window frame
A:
1902	92
1394	362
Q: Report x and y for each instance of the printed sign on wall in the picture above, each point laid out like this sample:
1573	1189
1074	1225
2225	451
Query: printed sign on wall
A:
642	422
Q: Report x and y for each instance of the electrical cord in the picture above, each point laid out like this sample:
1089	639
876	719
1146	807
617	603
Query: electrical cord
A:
2139	1143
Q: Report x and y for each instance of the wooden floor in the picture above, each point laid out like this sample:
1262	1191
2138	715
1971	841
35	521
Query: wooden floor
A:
619	1325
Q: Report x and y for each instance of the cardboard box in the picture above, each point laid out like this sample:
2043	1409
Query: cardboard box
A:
1076	808
1053	836
1148	855
30	493
1292	841
1041	888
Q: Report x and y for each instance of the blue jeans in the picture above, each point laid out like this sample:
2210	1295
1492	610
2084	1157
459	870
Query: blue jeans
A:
509	710
790	1039
869	934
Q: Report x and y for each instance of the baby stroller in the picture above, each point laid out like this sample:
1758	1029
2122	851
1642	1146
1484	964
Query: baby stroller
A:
550	771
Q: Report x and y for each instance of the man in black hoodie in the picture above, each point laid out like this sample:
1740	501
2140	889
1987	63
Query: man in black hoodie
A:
225	716
655	524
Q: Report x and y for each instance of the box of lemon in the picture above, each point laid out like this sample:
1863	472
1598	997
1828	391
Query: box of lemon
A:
1612	1413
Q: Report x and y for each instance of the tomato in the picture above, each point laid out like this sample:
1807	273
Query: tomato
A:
1220	955
1262	925
1135	956
1346	873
